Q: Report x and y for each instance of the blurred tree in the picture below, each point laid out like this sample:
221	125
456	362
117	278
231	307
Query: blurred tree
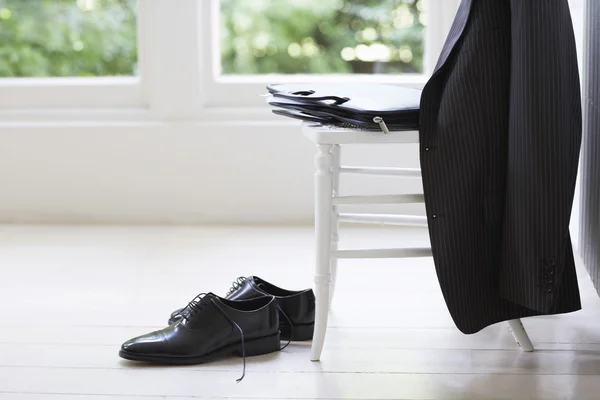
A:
321	36
41	38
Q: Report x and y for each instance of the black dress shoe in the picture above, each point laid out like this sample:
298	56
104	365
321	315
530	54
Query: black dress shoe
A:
296	308
212	328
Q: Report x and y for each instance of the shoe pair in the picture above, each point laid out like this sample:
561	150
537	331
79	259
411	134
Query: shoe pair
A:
296	308
250	320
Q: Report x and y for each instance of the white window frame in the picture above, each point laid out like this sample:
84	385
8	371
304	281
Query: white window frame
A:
242	91
178	75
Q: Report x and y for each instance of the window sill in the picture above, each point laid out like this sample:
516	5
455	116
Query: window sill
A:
86	92
233	111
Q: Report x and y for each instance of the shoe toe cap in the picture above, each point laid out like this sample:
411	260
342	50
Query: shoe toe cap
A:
151	343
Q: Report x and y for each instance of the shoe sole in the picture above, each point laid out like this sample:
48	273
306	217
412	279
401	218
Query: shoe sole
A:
255	347
301	332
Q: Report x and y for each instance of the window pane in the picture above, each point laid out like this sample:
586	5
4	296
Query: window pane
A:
40	38
322	36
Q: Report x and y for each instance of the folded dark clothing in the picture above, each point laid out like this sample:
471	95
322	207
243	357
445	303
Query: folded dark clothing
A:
326	117
357	105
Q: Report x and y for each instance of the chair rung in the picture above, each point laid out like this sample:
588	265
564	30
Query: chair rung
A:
383	253
382	171
379	199
384	219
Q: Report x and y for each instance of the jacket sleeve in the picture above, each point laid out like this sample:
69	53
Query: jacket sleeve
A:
545	126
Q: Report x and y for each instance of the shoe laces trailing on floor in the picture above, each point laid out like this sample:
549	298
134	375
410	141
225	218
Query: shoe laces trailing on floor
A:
197	304
291	327
239	282
241	333
200	301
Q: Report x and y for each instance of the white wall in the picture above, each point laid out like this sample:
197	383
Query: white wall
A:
179	173
129	172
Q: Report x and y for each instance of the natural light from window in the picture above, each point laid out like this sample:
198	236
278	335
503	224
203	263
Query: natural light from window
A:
68	38
322	36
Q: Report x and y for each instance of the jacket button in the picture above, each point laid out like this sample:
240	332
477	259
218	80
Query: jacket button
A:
550	262
549	270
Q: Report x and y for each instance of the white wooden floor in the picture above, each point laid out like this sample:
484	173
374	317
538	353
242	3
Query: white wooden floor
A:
70	296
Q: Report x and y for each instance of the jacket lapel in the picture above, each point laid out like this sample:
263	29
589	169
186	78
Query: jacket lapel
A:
458	26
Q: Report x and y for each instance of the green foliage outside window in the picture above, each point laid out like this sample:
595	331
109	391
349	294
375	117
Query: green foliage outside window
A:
322	36
40	38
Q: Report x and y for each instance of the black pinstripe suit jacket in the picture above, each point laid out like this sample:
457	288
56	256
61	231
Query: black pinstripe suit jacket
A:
499	146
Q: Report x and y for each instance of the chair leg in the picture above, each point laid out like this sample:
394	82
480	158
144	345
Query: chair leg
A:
520	335
335	221
323	204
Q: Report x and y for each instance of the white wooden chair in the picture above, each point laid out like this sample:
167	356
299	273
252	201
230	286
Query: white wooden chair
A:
327	218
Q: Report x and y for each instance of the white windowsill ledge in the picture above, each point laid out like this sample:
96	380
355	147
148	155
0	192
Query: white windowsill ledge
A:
44	111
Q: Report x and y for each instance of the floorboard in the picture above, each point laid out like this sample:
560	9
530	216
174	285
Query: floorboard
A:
71	295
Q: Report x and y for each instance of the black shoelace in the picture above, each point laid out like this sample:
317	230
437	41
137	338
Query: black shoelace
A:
194	306
261	286
291	327
198	304
243	340
239	282
236	285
